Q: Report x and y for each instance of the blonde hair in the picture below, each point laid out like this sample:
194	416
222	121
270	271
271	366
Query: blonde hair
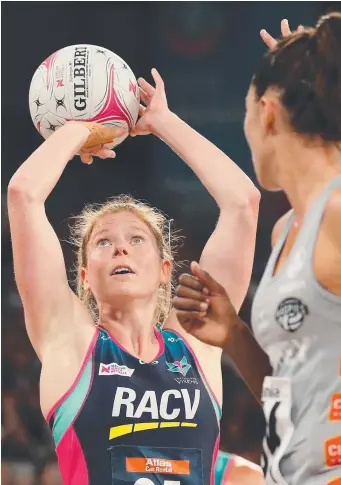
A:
158	224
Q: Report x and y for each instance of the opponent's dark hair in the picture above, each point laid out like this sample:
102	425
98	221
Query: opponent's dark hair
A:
306	68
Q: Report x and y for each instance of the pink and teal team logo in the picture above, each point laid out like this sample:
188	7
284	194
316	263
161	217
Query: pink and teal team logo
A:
181	367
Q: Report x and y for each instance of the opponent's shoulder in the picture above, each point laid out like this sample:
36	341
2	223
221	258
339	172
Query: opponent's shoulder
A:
332	218
278	227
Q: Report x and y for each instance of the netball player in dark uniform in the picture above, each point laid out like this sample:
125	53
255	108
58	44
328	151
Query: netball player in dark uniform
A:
128	402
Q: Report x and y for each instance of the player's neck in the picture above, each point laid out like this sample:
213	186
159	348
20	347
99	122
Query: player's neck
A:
132	326
306	171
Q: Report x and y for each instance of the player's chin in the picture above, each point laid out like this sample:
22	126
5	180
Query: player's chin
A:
126	281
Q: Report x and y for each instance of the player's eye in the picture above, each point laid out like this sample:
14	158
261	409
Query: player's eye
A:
103	243
137	240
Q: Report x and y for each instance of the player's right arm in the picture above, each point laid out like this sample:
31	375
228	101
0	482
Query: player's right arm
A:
39	266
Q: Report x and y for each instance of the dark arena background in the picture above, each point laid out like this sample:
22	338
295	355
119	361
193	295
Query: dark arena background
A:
206	53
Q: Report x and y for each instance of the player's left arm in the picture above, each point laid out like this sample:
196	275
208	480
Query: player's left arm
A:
228	254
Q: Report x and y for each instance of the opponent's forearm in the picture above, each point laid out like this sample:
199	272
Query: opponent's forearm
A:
224	180
39	174
251	361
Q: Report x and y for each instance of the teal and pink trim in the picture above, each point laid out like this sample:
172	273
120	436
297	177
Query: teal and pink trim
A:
223	465
228	469
214	460
215	402
71	459
69	405
158	335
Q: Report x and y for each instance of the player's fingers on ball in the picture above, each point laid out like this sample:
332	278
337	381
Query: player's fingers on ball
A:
285	28
92	150
190	281
144	97
185	292
109	146
189	304
105	153
110	133
268	39
137	130
144	93
157	78
86	158
142	110
147	88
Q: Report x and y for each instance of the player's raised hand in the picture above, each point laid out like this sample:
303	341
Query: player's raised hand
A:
203	307
270	41
155	101
100	141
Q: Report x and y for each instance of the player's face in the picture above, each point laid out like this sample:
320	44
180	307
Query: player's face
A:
257	128
123	260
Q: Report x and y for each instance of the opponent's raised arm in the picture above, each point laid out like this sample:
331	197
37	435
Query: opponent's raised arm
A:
38	259
205	311
228	255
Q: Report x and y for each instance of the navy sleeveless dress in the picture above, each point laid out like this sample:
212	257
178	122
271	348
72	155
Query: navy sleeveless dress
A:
127	422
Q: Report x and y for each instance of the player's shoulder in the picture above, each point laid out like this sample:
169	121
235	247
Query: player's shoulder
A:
278	227
332	218
172	327
244	472
238	461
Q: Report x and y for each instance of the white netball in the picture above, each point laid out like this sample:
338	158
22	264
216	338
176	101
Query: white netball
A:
83	83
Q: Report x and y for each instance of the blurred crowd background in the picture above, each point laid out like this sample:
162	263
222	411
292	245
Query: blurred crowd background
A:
206	53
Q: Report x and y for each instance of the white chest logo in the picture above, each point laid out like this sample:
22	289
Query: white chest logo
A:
125	403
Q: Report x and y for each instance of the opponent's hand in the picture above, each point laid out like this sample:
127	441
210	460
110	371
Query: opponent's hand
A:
203	307
155	104
270	41
100	141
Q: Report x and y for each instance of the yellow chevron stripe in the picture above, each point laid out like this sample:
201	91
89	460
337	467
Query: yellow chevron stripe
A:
117	431
169	424
144	426
123	429
189	425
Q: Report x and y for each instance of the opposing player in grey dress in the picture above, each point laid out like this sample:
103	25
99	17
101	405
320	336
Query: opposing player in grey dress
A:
293	364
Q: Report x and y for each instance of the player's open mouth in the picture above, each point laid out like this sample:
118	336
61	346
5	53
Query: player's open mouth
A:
122	270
